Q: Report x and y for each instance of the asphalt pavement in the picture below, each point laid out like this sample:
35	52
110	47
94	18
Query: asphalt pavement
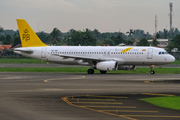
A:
79	96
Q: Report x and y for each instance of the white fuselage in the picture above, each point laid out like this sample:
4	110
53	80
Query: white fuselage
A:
134	56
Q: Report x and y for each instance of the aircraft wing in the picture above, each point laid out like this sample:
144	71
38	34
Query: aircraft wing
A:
84	58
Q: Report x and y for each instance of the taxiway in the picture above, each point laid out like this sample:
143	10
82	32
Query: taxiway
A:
79	96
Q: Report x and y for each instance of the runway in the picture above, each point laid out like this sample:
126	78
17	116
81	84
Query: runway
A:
79	96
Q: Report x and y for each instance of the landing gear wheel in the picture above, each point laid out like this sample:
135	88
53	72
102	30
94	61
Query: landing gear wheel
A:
103	72
152	72
90	71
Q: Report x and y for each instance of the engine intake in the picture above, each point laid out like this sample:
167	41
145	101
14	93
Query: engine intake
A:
107	66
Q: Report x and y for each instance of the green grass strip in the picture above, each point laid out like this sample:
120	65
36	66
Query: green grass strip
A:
84	70
176	62
166	102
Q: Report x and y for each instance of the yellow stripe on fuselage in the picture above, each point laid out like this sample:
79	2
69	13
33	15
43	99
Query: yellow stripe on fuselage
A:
127	49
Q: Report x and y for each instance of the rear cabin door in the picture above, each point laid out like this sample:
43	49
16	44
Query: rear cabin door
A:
150	53
43	53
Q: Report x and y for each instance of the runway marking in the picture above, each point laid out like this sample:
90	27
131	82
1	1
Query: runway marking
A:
97	103
106	96
112	106
91	99
147	81
93	96
110	112
47	80
123	116
157	94
130	111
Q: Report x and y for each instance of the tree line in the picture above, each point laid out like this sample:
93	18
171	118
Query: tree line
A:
89	37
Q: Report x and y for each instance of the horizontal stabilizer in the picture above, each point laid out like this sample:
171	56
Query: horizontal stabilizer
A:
23	50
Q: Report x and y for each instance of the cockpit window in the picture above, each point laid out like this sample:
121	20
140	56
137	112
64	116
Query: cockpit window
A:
162	53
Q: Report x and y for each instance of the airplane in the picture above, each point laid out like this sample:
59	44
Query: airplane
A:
102	58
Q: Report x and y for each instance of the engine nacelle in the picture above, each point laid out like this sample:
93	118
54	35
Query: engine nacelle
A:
107	66
126	67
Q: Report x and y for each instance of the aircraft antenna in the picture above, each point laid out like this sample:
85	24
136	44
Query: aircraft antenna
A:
171	14
156	21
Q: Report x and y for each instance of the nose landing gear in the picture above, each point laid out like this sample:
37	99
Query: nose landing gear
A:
152	72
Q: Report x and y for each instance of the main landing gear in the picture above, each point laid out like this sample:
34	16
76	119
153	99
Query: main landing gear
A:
90	71
103	72
152	72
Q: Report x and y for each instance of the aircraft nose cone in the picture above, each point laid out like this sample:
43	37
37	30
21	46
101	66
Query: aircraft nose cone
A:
172	59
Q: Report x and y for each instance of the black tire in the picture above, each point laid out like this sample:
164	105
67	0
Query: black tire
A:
152	72
103	72
90	71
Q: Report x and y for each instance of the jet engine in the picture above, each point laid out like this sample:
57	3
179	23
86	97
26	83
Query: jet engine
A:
126	67
107	66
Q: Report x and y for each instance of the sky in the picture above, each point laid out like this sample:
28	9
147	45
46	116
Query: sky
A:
103	15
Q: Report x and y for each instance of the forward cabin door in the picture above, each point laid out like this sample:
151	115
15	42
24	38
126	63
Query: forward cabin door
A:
43	53
150	53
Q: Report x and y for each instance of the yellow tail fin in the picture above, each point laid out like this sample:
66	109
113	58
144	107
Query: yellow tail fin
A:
27	35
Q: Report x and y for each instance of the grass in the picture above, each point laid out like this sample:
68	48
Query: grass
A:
84	70
176	62
166	102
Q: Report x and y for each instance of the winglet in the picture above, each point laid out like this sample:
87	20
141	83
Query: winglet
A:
27	35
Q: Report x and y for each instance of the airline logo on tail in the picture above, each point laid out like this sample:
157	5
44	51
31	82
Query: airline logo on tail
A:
26	36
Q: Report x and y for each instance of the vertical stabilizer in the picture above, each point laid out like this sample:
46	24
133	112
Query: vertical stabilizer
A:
27	35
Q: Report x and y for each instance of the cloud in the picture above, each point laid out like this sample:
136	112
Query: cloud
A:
104	15
82	4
